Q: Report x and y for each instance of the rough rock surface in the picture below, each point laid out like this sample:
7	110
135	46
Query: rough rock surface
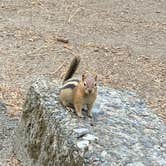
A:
123	131
7	126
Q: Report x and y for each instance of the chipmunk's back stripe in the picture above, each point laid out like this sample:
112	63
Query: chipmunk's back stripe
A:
71	80
69	86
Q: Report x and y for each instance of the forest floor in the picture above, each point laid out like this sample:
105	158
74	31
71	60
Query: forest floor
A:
124	42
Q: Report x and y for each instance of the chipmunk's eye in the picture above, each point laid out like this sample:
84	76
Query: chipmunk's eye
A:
95	84
84	83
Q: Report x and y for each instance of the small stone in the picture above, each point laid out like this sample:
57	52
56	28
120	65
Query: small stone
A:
136	163
103	154
96	50
90	137
2	106
87	155
81	132
83	144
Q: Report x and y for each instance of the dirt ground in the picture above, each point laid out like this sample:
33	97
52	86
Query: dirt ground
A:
124	42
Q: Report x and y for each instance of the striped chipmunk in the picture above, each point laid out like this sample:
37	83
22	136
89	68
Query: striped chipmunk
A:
77	93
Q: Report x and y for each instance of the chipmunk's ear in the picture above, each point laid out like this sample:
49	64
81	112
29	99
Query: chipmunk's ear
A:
95	77
83	77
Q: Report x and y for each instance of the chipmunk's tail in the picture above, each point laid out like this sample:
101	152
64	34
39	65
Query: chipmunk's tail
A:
73	67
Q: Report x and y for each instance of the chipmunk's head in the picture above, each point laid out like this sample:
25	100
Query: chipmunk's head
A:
89	82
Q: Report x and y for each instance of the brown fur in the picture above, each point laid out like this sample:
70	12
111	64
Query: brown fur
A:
80	99
80	93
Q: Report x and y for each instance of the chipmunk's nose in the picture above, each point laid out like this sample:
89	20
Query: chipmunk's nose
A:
89	91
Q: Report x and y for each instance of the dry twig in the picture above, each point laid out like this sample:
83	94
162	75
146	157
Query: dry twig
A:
72	15
59	68
62	39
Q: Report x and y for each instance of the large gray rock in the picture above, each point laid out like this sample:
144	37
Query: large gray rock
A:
123	131
7	127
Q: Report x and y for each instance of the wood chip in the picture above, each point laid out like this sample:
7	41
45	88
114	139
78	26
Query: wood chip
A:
62	39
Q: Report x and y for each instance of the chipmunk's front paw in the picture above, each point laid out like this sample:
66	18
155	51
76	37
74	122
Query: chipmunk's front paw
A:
90	114
80	115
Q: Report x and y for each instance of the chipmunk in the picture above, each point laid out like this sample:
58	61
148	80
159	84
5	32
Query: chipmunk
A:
78	93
